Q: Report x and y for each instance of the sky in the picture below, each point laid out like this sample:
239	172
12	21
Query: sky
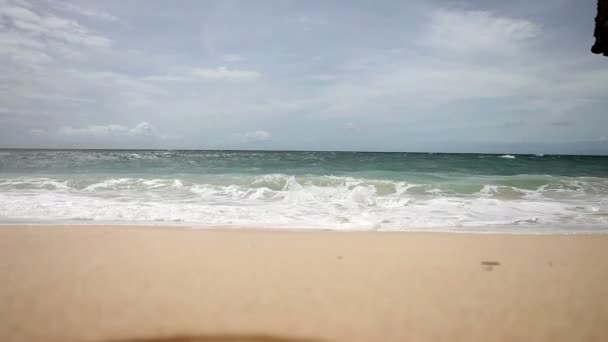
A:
422	75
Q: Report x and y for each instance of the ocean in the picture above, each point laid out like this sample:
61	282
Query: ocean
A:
307	190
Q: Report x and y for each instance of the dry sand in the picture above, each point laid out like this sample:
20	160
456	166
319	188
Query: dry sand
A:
125	283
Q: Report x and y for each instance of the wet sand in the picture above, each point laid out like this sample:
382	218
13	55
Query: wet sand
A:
141	283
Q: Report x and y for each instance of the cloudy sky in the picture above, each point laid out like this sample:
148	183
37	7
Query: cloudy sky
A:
422	75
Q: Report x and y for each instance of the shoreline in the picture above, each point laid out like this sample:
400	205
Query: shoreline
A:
493	229
73	283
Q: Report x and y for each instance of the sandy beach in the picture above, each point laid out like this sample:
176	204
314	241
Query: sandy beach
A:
129	283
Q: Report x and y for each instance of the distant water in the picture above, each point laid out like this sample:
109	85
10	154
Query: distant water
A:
313	190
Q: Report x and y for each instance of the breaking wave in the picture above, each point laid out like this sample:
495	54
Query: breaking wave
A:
311	201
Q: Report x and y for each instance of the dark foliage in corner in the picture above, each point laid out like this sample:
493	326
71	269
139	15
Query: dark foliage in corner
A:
601	29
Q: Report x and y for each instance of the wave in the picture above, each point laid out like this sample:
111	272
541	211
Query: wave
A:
311	201
447	184
357	210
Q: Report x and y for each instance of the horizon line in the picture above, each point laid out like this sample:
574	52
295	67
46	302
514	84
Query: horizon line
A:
269	150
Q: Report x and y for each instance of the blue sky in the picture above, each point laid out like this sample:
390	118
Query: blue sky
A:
454	76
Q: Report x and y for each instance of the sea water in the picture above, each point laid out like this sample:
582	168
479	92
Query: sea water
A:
306	190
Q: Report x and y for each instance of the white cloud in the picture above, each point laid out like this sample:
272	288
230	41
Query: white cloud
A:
19	54
27	21
210	74
22	3
351	126
88	12
8	38
95	130
321	77
303	19
259	135
233	57
223	73
143	129
306	22
377	83
461	56
115	89
471	31
37	131
416	69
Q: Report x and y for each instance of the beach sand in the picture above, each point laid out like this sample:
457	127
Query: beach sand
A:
128	283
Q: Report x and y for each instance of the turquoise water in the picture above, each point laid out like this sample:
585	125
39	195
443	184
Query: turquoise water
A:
333	190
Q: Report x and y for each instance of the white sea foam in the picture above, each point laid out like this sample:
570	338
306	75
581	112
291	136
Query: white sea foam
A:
278	200
107	184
